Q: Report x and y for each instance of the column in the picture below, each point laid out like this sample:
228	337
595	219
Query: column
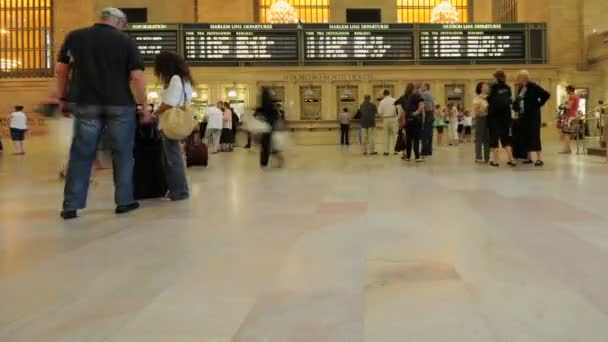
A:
565	32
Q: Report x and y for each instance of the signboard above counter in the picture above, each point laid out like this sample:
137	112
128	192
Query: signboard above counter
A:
344	44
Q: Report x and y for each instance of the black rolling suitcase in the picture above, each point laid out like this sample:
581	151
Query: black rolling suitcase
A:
148	176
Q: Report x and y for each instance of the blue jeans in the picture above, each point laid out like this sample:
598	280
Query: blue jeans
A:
89	122
174	169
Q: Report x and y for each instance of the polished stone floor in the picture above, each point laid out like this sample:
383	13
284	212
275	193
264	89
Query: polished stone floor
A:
333	248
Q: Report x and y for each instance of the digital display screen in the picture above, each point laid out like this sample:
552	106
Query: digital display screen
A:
240	42
470	42
154	38
358	42
344	44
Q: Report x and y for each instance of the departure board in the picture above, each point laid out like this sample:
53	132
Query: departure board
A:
358	42
473	43
220	43
154	38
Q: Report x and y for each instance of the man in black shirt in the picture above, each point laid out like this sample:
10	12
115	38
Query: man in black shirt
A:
101	63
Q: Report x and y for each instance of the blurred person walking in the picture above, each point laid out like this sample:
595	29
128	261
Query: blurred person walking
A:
268	113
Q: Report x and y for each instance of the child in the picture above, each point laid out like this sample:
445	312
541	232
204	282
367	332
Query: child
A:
468	127
18	126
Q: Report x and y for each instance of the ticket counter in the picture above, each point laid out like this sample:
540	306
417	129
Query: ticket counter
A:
311	102
347	98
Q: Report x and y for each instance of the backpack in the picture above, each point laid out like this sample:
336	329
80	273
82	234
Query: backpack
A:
500	100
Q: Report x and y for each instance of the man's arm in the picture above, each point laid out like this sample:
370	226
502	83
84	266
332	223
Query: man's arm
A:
62	72
138	85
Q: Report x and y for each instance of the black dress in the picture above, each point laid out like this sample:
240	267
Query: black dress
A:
530	121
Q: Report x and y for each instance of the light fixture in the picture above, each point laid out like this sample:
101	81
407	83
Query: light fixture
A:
444	13
8	64
3	31
194	94
232	93
281	12
153	95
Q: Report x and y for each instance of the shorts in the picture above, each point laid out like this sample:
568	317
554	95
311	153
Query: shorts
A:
18	134
468	130
460	128
440	130
500	135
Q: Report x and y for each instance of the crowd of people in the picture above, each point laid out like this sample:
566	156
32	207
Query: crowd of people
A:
409	122
104	85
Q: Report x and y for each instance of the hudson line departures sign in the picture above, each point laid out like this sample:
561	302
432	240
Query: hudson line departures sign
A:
345	44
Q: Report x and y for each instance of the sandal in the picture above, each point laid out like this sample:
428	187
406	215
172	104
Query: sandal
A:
512	164
494	164
539	163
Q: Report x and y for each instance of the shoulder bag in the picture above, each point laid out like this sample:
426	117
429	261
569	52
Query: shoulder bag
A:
178	122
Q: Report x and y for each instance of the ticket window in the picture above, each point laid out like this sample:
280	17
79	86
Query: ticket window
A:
311	103
200	102
237	96
347	99
455	94
379	92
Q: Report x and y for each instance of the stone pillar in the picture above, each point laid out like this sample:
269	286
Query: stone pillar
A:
482	11
338	9
70	15
532	11
565	32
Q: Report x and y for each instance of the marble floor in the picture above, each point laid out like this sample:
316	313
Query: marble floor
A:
333	248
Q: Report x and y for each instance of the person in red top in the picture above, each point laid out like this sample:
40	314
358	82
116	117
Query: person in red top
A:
571	113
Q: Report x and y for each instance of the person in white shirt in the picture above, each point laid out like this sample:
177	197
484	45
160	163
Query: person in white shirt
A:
344	119
388	112
174	74
18	126
215	120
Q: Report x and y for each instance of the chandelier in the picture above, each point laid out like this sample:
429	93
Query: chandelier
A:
281	12
444	13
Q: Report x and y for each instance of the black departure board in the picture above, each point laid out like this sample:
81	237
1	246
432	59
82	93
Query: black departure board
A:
358	42
473	43
344	44
220	43
154	38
